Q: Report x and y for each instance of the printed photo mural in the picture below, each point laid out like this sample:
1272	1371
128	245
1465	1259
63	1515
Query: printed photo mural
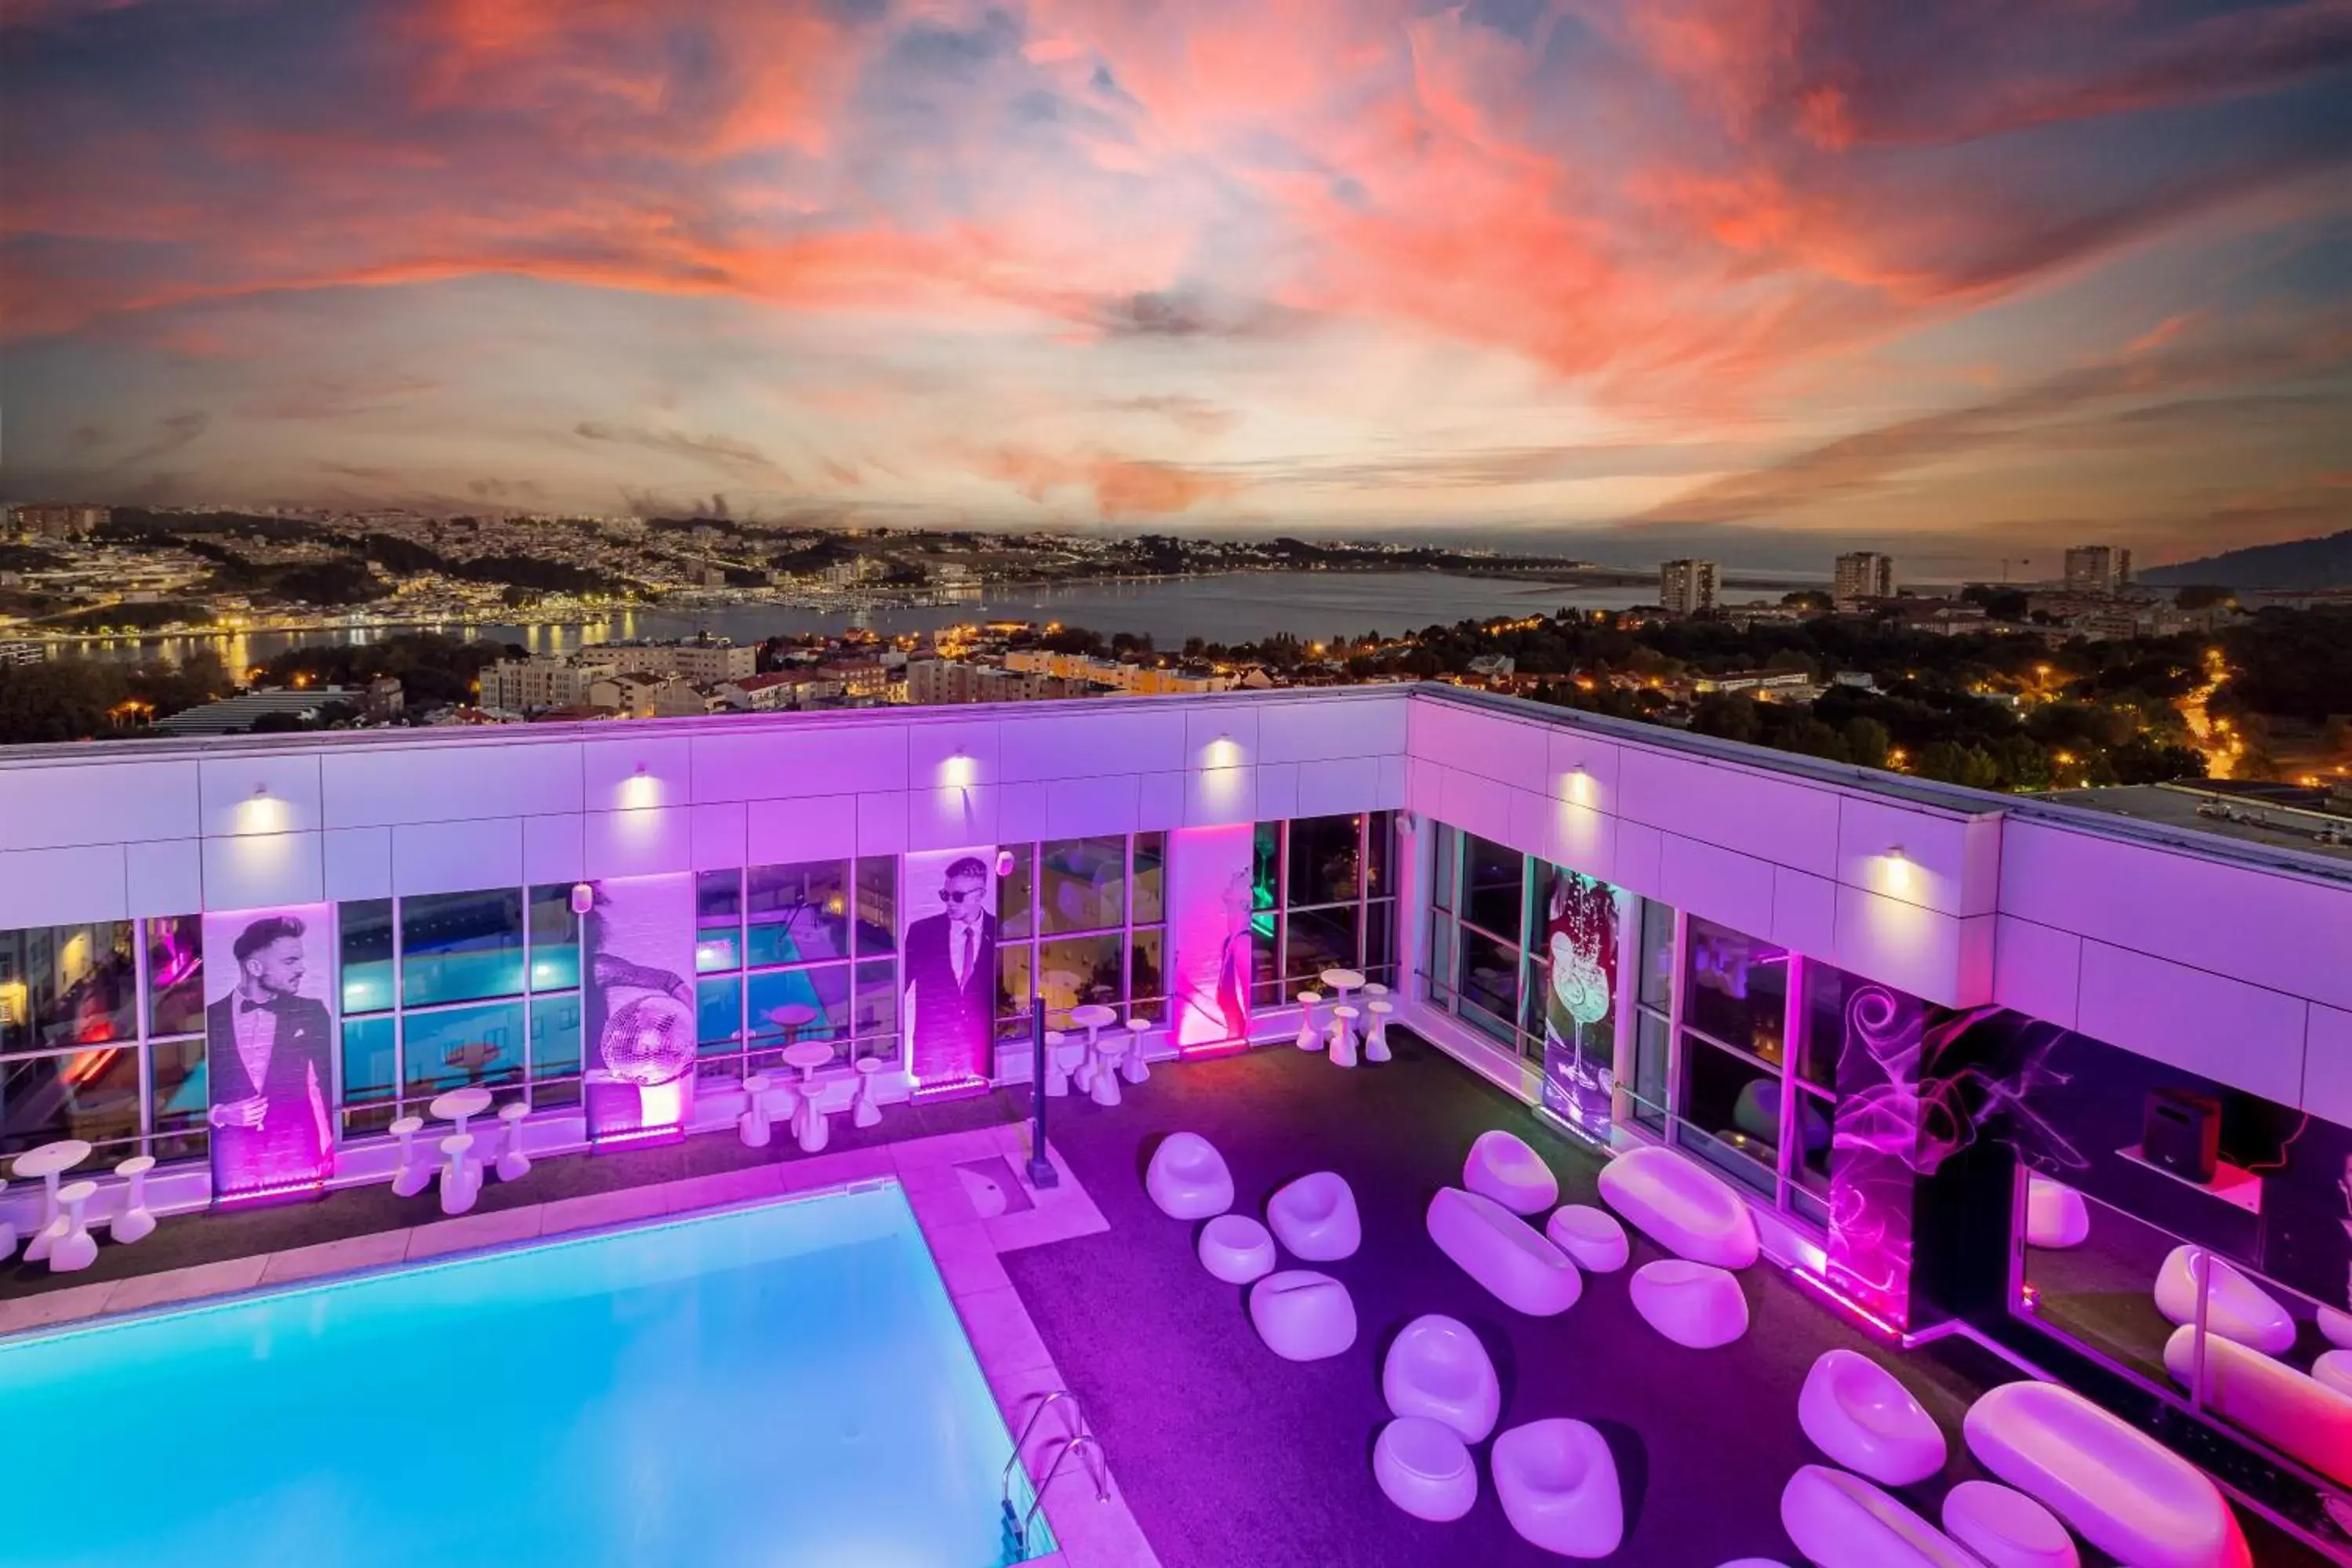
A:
269	1035
637	1008
949	954
1576	968
1210	902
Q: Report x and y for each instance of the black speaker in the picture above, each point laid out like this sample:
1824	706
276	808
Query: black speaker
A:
2183	1133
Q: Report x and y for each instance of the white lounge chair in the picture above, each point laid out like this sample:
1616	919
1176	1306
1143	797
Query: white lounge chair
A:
1860	1414
1236	1249
2302	1415
1696	1305
2236	1307
1503	1253
1302	1315
1592	1237
2055	1214
1840	1521
2119	1489
1315	1218
1436	1368
2006	1528
1682	1205
1557	1484
1423	1466
1502	1167
1188	1179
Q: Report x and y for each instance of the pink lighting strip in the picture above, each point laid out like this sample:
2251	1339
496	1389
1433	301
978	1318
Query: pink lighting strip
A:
1846	1306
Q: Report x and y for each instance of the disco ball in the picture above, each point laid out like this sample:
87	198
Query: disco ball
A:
649	1041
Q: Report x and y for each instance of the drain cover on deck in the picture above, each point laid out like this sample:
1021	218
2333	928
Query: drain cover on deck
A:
993	1187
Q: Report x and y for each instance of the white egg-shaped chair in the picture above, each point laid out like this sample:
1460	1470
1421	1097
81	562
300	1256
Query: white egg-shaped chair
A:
1315	1218
1861	1415
2236	1307
1302	1315
1502	1167
1187	1178
1436	1368
1557	1484
1503	1253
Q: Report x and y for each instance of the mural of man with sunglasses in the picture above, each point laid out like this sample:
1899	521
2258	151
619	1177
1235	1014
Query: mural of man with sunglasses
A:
951	959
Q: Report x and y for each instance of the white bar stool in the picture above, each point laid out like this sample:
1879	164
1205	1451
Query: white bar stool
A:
134	1222
76	1249
1058	1063
513	1164
411	1175
7	1231
863	1110
1105	1077
457	1188
1135	1068
1343	1035
1376	1038
754	1124
1310	1037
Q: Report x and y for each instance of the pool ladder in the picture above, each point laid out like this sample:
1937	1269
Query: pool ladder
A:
1082	1440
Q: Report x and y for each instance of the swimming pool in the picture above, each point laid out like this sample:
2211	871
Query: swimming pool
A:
786	1386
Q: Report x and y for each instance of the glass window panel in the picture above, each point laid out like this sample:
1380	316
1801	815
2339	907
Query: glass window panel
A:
1828	989
459	947
1016	895
1442	884
790	1005
1492	877
554	940
370	1121
1327	865
718	922
554	1036
366	933
92	1095
1378	836
1380	957
1488	980
1266	989
1658	954
452	1047
1443	933
1651	1071
1266	870
370	1059
66	985
1076	970
176	975
798	914
1732	1099
1319	940
878	905
876	1011
1816	1118
1012	982
177	1076
1146	980
1081	884
1737	987
717	1012
1151	877
1738	1162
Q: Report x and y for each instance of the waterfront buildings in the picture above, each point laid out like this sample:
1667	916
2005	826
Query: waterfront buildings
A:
568	680
1862	575
2097	569
1689	587
1144	679
58	523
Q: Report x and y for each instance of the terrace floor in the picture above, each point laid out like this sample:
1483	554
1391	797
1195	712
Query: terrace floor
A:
1226	1454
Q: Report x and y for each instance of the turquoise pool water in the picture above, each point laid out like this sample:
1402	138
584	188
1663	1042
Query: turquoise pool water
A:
785	1387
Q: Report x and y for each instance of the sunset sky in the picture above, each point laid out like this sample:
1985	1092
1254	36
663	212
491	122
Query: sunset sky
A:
1762	277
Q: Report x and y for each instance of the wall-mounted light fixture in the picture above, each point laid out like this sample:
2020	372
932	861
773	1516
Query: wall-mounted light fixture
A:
1898	867
1579	785
958	771
640	789
261	813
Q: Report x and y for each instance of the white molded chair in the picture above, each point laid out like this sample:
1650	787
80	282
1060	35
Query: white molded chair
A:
1592	1237
1436	1368
512	1162
815	1121
1309	1038
411	1175
1236	1249
1343	1035
1860	1414
1302	1315
2055	1214
1108	1052
1135	1069
1502	1167
2303	1415
755	1126
2006	1528
864	1110
1696	1305
458	1188
1839	1520
75	1249
1376	1038
1187	1178
1502	1252
2235	1308
1063	1058
1557	1484
1423	1466
135	1222
1682	1205
7	1232
1315	1217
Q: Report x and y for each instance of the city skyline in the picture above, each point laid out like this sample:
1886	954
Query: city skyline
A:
1742	279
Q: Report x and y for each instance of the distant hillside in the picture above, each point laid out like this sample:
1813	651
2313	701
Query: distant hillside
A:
2298	564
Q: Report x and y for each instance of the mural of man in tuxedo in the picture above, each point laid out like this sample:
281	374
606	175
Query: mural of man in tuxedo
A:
267	1049
951	968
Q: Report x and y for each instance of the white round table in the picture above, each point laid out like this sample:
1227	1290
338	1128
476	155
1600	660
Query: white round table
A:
458	1105
1343	981
1343	1033
47	1163
791	1018
1094	1019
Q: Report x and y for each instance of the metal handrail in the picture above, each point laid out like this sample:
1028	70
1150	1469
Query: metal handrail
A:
1093	1445
1004	1487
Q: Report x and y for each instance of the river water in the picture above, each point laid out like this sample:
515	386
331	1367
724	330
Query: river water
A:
1236	607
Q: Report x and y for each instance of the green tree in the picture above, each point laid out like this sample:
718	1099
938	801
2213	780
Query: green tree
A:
1866	741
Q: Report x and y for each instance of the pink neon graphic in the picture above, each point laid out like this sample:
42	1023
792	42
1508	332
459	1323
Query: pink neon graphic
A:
1209	929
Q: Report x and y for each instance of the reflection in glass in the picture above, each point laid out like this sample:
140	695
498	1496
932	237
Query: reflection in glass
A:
1651	1058
1151	877
1380	960
1828	990
878	905
555	1038
92	1095
1658	954
1378	833
876	1012
1015	895
370	1057
1076	971
452	1047
366	939
1319	940
1144	982
1081	884
1492	878
66	985
457	947
554	940
788	1005
1735	1101
798	914
718	922
1325	859
176	975
177	1099
1488	980
1738	988
719	1011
